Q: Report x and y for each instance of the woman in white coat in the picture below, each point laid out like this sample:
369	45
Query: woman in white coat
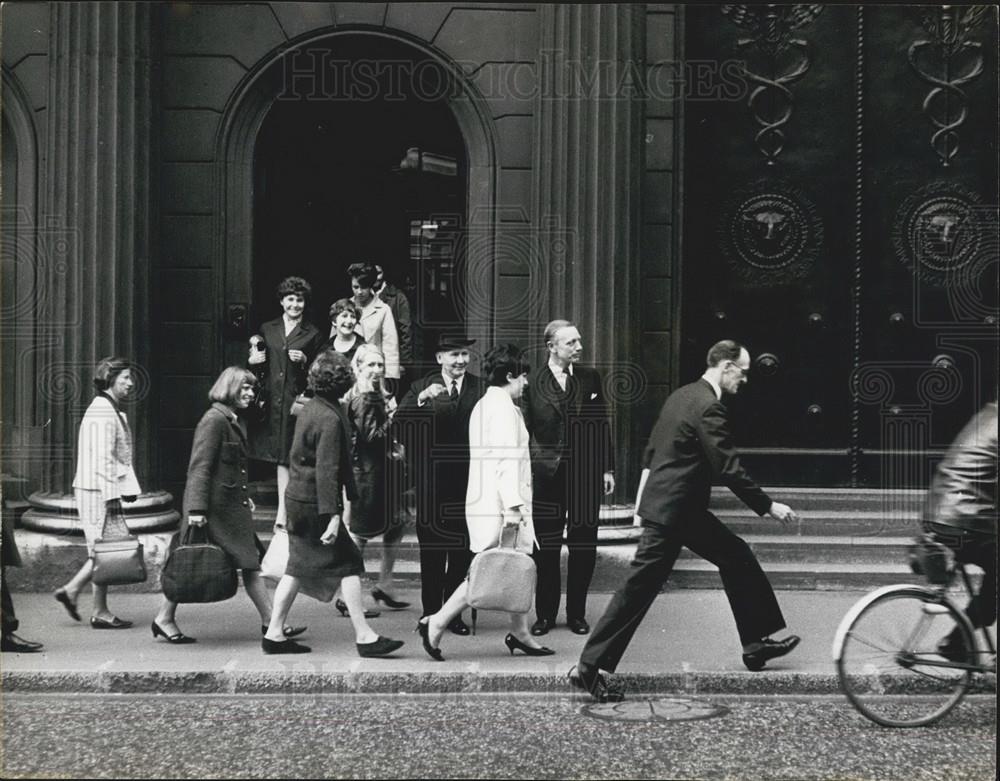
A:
498	497
104	478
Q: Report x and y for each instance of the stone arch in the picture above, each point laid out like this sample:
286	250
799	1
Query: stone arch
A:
20	236
236	140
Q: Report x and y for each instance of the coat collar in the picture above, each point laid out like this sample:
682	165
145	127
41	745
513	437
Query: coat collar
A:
234	419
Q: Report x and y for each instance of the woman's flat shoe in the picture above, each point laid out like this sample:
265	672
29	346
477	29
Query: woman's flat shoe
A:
393	604
178	639
513	643
283	647
290	631
342	607
432	652
381	647
63	599
114	623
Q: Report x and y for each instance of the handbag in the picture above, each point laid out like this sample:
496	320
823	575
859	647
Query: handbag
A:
272	567
118	560
502	579
197	570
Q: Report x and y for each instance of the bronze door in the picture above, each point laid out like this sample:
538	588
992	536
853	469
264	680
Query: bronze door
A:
840	190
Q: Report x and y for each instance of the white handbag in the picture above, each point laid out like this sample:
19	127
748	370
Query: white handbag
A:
272	567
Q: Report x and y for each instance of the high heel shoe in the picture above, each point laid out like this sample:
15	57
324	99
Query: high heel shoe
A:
393	604
341	605
513	644
178	639
423	631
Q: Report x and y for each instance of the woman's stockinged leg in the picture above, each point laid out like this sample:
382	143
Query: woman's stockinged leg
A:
456	603
519	628
258	593
284	596
283	475
350	587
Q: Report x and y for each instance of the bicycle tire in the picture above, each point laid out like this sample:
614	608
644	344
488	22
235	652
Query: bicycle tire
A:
887	660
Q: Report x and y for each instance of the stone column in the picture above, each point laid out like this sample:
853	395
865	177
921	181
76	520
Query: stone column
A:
588	161
95	228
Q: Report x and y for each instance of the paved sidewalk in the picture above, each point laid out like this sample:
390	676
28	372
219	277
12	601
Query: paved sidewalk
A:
687	643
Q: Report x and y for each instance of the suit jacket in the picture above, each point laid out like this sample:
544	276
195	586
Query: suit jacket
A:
499	472
104	451
436	439
320	460
284	380
964	491
690	448
572	425
377	326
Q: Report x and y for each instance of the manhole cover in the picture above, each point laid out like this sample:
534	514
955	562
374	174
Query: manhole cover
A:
662	709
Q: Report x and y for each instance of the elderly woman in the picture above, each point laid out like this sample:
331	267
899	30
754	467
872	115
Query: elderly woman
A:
499	491
319	544
104	477
216	495
290	343
375	321
377	469
344	315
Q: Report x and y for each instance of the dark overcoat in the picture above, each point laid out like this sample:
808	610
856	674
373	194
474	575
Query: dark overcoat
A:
271	439
217	485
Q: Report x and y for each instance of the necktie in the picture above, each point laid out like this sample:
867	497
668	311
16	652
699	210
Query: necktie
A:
454	390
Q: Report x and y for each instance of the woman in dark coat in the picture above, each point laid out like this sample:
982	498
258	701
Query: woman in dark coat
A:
376	511
319	544
290	345
216	495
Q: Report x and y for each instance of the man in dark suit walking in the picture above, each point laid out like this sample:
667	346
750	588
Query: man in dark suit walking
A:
571	461
432	422
691	447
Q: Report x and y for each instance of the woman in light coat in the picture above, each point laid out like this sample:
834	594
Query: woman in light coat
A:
498	497
375	321
104	478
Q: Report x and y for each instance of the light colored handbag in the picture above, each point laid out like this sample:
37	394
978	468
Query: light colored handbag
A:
272	567
502	579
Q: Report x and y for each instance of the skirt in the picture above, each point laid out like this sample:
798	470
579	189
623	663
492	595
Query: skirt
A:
93	511
307	556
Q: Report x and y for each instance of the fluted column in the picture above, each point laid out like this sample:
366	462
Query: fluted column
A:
94	274
588	163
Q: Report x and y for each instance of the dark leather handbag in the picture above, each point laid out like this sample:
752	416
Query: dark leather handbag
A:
197	570
118	559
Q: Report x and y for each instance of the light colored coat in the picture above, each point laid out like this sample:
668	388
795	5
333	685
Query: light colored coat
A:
104	452
378	327
499	471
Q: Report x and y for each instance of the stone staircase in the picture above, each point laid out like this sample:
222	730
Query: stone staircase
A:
845	539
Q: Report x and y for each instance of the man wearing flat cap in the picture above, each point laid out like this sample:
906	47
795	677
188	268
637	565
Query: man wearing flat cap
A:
432	422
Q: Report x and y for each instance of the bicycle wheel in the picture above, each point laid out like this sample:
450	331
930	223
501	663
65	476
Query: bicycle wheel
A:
887	658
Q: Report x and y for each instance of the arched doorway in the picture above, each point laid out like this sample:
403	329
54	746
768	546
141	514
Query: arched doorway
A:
365	164
358	146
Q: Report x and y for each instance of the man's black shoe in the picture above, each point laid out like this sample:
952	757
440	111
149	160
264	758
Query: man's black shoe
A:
592	682
542	626
18	645
458	626
952	647
770	649
578	626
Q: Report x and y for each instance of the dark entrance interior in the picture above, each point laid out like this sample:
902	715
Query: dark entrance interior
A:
361	159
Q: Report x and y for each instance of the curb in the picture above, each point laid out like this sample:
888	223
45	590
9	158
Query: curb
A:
366	682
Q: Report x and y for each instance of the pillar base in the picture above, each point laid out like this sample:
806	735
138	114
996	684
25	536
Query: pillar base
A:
56	513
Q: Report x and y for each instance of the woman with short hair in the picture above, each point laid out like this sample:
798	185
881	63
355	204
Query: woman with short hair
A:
104	478
290	343
344	339
375	321
319	544
216	495
498	496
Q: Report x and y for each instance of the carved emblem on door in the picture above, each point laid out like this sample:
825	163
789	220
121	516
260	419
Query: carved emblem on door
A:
771	234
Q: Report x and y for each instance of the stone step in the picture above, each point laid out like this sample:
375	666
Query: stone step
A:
792	561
